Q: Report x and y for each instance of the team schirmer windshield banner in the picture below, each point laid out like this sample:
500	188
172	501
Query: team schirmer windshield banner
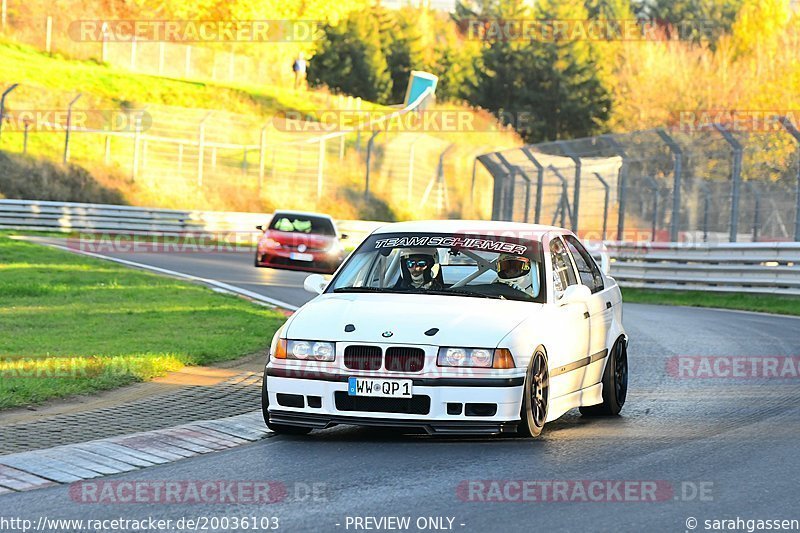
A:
454	242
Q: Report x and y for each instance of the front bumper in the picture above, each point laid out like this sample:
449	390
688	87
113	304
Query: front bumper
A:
322	262
503	393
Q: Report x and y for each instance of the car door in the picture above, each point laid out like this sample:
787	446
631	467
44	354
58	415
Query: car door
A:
568	363
600	306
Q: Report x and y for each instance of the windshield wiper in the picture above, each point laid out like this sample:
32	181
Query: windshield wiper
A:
463	292
364	289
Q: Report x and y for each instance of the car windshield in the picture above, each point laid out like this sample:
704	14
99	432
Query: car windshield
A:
297	223
477	266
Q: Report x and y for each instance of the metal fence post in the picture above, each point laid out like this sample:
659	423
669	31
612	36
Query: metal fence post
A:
201	145
27	123
320	168
563	208
370	147
511	184
539	182
3	105
605	202
472	183
676	187
137	132
736	178
527	193
107	150
69	128
48	38
706	204
262	157
576	194
441	181
793	131
656	201
623	187
756	208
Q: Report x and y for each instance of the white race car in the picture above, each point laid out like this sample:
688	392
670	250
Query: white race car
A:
452	327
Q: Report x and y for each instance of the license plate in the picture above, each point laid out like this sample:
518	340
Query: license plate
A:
384	388
295	256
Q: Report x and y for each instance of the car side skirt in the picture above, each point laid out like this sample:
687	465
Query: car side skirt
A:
589	396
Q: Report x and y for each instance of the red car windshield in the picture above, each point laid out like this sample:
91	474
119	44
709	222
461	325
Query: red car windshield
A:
292	223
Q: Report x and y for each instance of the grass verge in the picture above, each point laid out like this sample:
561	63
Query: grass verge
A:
767	303
76	325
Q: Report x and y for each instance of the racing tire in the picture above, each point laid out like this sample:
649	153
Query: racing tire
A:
535	396
256	261
281	429
615	383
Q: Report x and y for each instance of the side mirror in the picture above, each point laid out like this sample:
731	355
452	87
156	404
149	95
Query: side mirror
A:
315	283
575	294
605	263
260	228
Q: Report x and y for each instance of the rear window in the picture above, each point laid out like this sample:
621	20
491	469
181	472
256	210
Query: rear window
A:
301	224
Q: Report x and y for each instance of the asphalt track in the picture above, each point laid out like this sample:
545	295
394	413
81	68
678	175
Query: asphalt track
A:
716	448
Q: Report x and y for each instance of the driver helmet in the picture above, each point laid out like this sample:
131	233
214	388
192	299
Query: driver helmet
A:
420	264
515	270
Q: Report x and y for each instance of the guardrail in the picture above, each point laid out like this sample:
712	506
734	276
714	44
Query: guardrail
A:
35	215
755	268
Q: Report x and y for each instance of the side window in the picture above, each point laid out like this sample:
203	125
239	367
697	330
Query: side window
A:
563	273
587	268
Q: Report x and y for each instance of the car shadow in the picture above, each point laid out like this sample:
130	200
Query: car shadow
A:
570	421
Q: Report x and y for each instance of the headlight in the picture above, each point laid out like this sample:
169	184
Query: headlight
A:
270	243
310	350
475	357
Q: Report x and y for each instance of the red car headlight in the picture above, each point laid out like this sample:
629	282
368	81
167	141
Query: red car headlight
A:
270	243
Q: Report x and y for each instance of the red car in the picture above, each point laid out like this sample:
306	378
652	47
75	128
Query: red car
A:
300	241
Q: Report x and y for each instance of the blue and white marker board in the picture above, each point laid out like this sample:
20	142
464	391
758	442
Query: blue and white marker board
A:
417	83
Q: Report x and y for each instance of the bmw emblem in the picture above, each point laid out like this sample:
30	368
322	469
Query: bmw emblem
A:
301	248
387	334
